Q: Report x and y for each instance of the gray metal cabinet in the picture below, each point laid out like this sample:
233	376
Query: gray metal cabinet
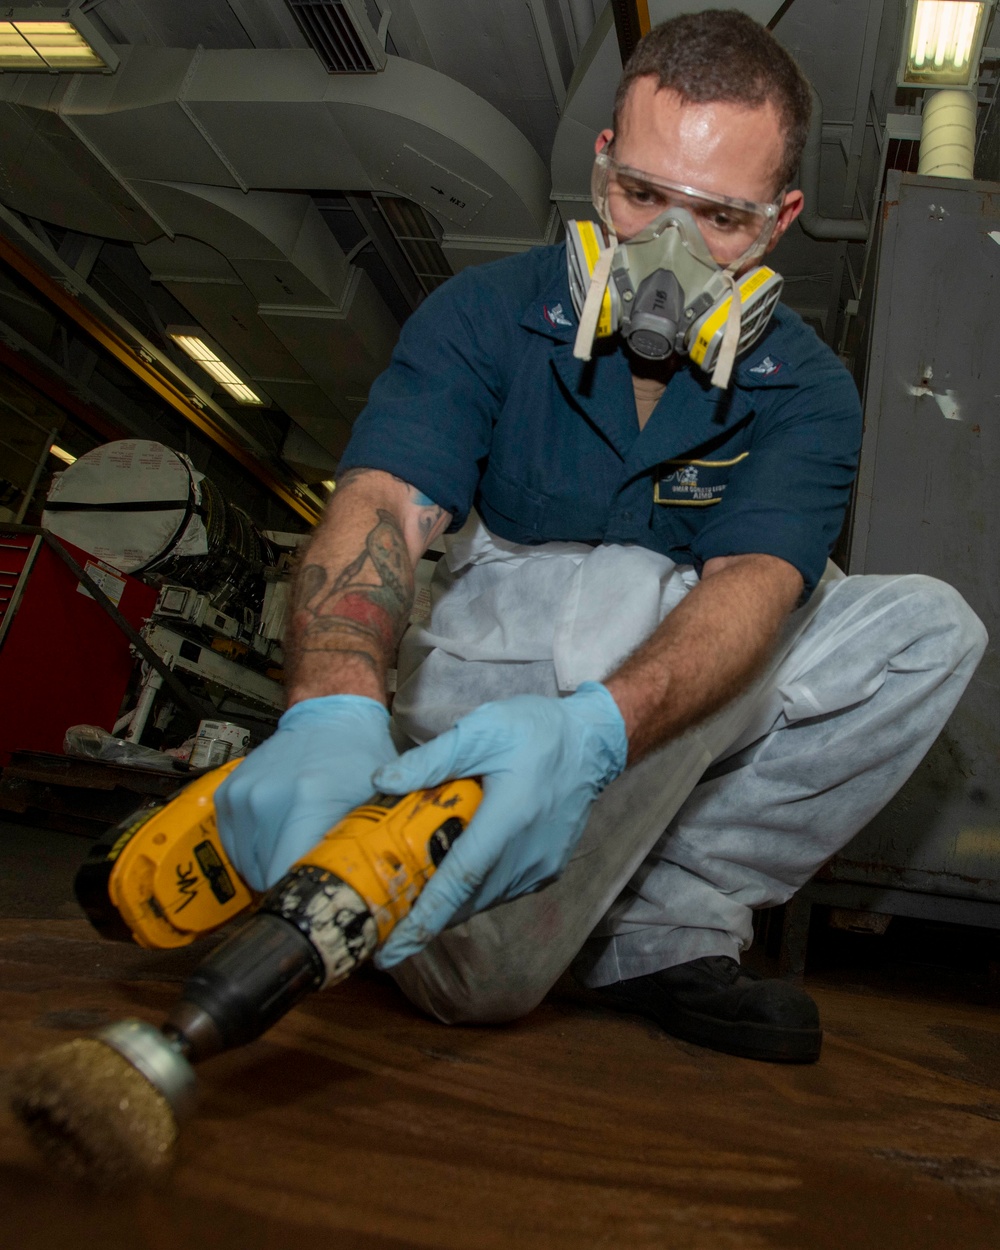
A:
928	501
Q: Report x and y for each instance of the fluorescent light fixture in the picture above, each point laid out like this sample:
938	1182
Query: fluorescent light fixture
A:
199	350
944	41
53	40
59	454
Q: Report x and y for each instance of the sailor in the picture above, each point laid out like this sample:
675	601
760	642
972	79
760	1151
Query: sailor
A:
679	708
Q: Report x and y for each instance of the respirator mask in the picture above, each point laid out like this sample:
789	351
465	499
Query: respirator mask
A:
671	286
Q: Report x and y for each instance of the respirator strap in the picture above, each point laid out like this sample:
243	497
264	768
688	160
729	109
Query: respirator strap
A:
731	337
591	312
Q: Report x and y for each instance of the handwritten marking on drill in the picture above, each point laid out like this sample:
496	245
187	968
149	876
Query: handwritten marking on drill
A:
187	885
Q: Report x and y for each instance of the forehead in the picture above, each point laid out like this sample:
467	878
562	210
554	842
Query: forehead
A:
718	146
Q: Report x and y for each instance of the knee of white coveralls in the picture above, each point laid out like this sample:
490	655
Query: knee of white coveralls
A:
499	1005
455	990
960	637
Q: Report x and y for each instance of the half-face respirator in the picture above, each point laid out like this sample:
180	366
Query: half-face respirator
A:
672	285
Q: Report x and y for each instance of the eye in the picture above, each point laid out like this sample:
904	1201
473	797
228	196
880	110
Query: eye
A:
720	220
642	196
724	220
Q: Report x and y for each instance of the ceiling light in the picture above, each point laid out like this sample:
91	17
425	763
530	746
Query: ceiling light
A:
59	454
199	351
943	44
52	40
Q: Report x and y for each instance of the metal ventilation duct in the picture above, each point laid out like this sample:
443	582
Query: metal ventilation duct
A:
201	158
340	34
93	153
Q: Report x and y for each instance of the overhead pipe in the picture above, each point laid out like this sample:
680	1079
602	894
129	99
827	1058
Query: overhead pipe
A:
850	229
948	135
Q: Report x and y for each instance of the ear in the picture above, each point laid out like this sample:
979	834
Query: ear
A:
602	141
791	206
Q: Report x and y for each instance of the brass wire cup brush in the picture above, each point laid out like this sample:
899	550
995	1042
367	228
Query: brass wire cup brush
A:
106	1109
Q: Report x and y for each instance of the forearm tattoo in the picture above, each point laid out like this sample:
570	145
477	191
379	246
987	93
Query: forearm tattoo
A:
365	609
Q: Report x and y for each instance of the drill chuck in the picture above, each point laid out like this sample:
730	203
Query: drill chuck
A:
312	930
245	986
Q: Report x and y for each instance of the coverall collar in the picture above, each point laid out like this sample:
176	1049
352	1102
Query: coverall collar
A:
602	387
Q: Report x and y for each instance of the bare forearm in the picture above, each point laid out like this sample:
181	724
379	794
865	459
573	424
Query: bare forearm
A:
354	590
706	652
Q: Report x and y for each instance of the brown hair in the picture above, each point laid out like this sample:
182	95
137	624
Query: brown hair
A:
725	56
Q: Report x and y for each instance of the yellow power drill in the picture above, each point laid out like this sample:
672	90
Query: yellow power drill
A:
163	879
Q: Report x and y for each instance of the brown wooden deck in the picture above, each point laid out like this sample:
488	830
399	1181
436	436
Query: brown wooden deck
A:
356	1123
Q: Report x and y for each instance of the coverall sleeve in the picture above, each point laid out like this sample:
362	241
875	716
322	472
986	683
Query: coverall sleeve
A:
430	416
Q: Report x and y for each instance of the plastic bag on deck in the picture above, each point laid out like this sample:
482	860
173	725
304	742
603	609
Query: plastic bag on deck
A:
91	742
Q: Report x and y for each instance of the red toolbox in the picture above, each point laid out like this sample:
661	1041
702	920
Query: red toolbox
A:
63	661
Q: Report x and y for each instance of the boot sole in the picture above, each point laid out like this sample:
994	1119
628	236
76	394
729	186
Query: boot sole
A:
746	1039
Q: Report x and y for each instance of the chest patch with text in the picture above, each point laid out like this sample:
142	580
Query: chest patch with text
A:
694	483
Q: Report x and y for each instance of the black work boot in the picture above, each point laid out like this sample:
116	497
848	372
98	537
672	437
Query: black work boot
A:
713	1002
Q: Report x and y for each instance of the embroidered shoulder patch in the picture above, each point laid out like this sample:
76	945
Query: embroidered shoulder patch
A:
555	316
768	366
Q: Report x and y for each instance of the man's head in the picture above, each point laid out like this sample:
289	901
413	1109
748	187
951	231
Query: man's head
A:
724	57
711	101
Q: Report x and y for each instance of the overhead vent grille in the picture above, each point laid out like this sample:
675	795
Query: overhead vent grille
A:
413	231
342	35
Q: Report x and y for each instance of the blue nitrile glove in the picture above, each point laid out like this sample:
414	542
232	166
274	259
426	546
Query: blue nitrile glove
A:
542	762
306	777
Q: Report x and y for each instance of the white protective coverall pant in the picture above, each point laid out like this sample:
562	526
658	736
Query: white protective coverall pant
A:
736	814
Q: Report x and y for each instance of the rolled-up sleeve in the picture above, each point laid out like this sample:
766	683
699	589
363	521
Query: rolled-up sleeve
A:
430	415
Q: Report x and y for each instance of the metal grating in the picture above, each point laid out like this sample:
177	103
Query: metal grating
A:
340	34
902	154
413	231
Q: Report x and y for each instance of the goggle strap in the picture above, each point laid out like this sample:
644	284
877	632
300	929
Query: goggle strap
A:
591	312
730	339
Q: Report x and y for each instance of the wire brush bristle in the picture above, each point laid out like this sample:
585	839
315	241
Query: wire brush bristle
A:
92	1115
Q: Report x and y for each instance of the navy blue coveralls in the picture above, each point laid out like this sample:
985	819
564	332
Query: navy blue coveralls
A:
484	405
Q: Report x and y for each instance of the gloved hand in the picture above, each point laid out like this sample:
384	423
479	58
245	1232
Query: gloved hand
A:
542	762
300	782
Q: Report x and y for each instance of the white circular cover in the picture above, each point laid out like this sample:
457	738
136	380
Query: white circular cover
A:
131	471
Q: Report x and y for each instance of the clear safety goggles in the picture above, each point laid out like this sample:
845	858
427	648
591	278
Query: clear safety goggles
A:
631	203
